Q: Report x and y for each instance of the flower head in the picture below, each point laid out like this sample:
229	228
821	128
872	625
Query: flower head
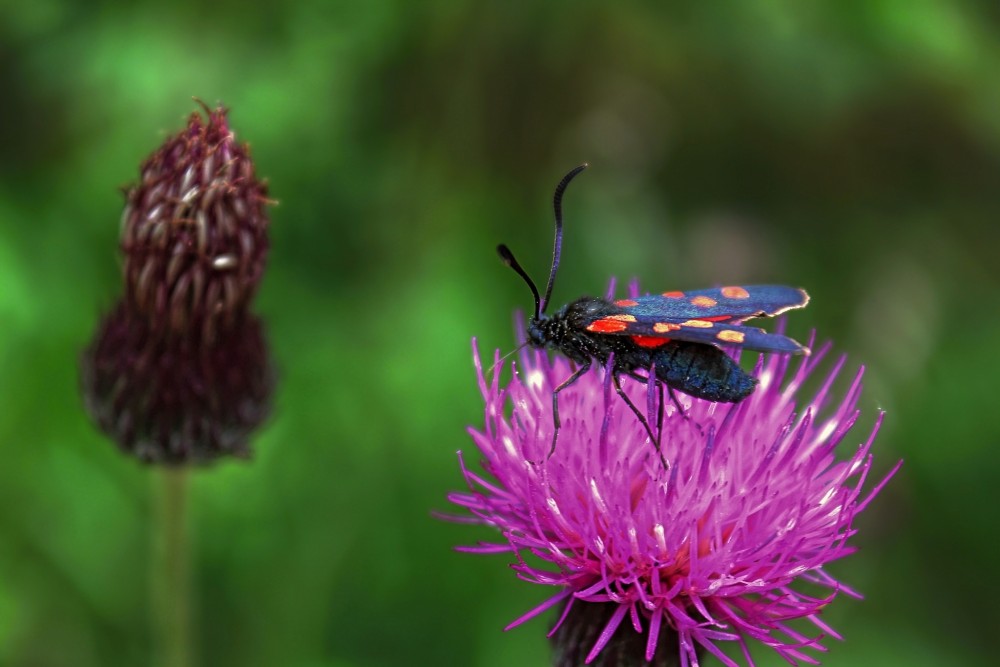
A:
711	548
179	372
194	230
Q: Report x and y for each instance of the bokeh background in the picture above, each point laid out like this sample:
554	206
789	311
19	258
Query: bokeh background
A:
849	147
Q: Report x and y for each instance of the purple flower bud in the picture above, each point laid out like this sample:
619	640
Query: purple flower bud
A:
194	231
180	372
712	547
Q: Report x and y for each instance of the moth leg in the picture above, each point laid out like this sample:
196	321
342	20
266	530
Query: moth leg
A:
673	399
635	376
654	438
555	403
659	413
682	411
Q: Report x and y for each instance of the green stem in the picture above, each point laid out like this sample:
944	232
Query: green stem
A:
171	573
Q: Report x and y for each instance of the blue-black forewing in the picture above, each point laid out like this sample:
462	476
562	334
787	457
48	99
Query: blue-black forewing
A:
711	316
737	302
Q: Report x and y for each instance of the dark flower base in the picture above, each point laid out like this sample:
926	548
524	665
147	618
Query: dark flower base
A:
582	627
173	399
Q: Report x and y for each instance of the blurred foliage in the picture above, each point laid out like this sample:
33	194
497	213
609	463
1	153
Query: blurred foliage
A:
849	147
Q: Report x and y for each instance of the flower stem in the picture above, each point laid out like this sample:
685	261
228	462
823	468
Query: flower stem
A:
171	572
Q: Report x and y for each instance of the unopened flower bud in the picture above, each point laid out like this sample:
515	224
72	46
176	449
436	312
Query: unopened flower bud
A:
179	372
194	231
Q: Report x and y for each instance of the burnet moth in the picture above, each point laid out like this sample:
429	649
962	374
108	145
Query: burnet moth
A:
671	337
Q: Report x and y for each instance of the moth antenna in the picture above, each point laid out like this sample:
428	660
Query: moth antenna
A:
507	257
557	245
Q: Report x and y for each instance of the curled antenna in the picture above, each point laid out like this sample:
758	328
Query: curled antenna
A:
557	245
508	258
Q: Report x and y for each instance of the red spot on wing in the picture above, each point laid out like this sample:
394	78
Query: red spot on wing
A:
674	295
611	324
649	341
715	318
626	302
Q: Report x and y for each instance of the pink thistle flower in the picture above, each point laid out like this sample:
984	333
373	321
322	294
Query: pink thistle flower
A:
709	549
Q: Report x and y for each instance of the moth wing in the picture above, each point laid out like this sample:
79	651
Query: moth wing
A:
732	303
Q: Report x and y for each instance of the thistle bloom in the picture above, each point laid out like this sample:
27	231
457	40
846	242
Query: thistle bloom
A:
705	550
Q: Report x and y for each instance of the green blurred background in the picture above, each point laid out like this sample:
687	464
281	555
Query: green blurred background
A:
849	147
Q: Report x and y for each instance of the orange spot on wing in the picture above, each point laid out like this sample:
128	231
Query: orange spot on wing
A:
674	295
626	302
611	324
665	327
698	324
730	336
703	301
649	341
735	292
